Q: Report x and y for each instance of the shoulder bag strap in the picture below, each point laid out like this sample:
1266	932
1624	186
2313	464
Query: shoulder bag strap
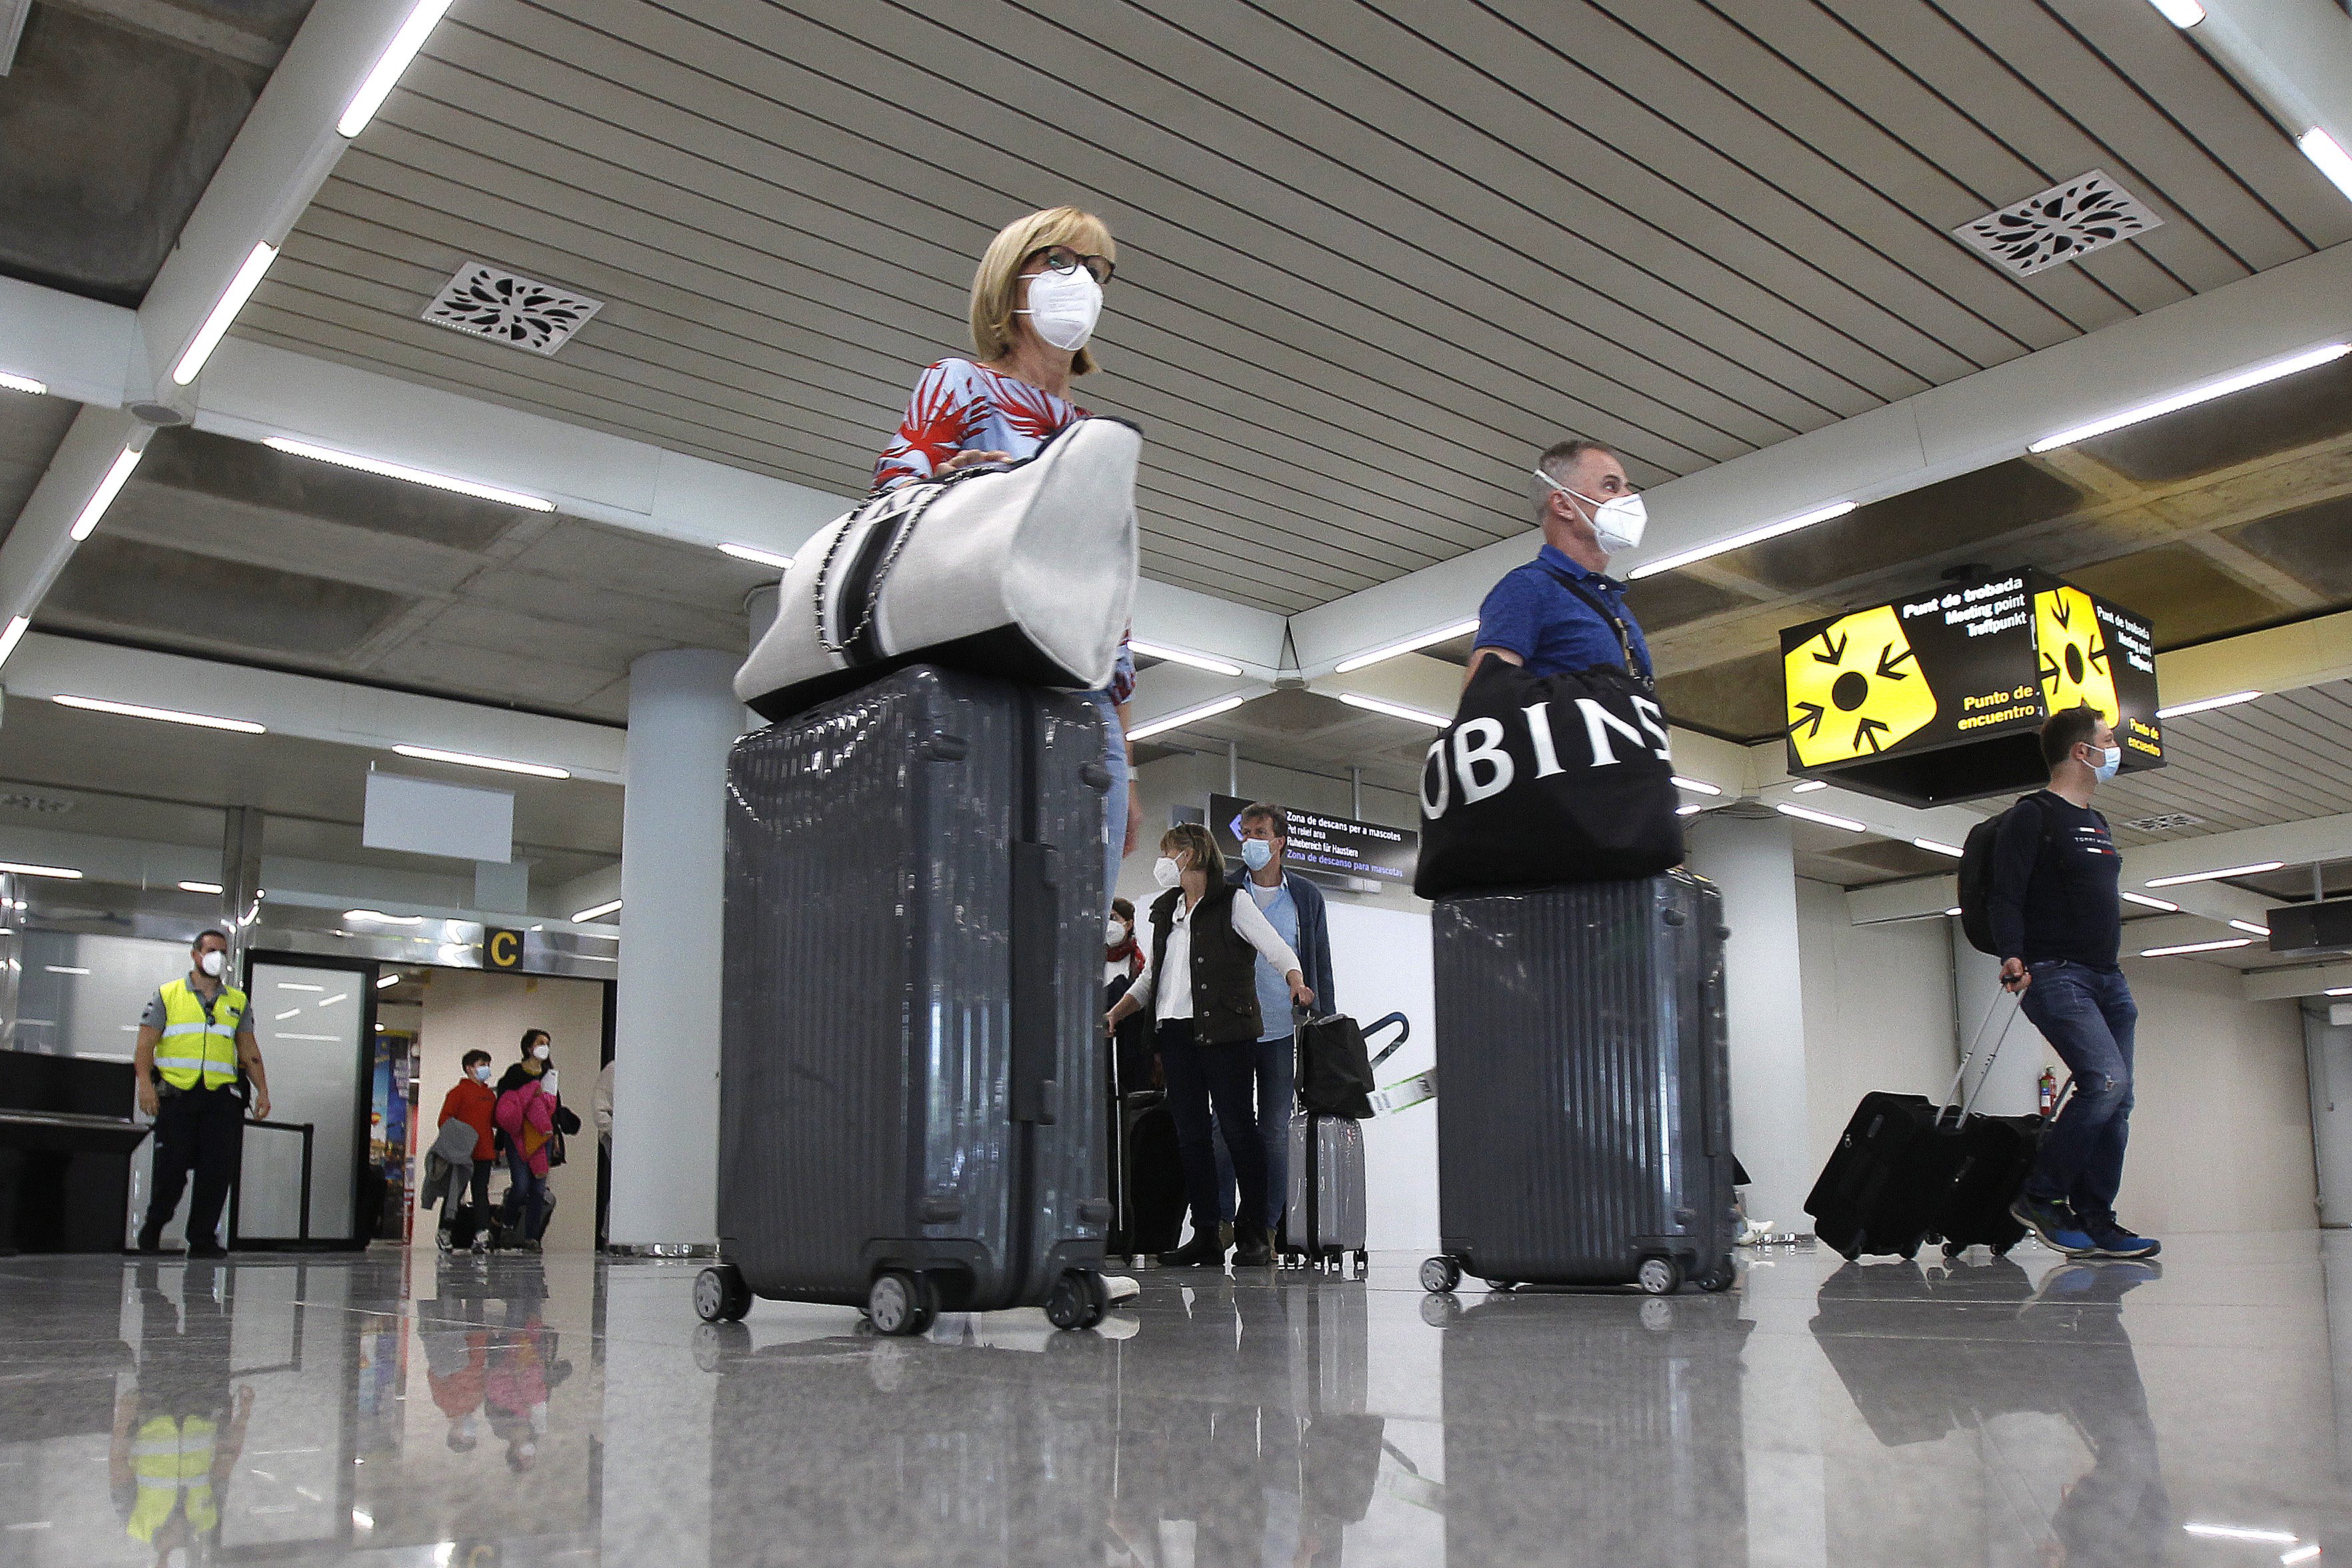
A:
1633	665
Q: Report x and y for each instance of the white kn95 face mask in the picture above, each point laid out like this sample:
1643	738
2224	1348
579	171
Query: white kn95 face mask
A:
1617	522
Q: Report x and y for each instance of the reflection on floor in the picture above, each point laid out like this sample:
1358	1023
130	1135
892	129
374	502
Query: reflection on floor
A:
407	1409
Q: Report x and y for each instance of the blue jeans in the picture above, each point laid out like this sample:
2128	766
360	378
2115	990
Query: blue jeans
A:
2089	1016
1115	801
524	1189
1276	1067
1198	1075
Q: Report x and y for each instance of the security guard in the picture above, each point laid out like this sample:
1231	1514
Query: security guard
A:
196	1036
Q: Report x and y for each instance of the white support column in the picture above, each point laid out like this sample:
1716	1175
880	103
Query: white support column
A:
683	717
1754	862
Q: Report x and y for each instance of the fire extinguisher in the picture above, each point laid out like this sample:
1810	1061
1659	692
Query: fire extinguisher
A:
2049	1096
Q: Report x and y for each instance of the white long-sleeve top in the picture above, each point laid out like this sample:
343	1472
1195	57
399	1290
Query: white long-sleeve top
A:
1249	923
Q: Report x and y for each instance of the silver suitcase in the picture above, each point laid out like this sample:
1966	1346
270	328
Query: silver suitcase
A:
1323	1218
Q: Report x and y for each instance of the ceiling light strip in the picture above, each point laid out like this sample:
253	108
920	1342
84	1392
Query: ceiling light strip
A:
1180	656
167	715
414	476
395	60
2221	874
2206	704
213	888
2327	155
597	911
1177	720
103	497
468	760
1698	786
1808	786
23	383
2143	898
1741	541
240	289
2188	947
757	556
1932	846
18	627
17	868
2179	400
2249	927
2181	14
1411	645
1787	808
1399	710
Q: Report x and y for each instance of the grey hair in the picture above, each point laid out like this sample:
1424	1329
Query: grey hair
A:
1557	459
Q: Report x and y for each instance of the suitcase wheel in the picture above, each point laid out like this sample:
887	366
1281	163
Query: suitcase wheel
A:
716	1345
721	1296
1660	1275
1080	1300
1503	1285
1440	1275
901	1303
1715	1279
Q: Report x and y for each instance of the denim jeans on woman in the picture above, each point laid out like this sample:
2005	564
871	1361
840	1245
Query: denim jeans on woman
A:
2089	1016
526	1196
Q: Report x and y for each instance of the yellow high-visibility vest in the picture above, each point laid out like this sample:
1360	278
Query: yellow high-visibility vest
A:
197	1045
172	1461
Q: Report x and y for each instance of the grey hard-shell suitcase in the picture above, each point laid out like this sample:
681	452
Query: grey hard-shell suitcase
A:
1324	1216
909	1098
1584	1136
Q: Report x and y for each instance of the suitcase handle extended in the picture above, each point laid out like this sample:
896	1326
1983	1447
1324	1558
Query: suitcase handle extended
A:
1404	1033
1952	1096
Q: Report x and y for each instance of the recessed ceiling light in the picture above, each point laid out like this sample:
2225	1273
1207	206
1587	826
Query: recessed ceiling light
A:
2339	990
468	760
597	911
2250	927
2328	156
1180	655
23	383
413	475
377	917
2180	13
1698	785
103	497
766	558
240	289
1823	817
2153	903
66	873
1693	809
2194	396
1188	716
2195	947
168	715
1399	710
213	888
1808	786
2204	704
2300	1555
1953	910
1954	850
381	980
18	627
395	60
64	969
1740	541
2219	874
1411	645
2242	1532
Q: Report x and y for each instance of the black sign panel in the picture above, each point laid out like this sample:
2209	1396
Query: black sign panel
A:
1327	846
502	948
1967	670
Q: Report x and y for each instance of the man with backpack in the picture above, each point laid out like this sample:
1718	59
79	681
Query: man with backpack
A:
2053	904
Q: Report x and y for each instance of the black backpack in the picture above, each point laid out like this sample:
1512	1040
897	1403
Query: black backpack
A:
1975	875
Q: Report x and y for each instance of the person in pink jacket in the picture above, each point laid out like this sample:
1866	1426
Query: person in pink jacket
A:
526	1115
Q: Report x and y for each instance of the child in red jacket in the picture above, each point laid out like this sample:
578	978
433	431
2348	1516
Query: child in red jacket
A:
473	1102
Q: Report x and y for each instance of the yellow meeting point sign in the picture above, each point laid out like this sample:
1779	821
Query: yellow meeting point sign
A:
1854	688
2072	651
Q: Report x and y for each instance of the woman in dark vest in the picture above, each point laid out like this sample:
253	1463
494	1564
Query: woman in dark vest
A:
1208	1033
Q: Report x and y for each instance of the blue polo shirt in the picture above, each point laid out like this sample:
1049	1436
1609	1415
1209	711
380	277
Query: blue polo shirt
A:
1534	614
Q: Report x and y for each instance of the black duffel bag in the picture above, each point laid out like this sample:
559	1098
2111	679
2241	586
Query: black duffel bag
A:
1543	779
1334	1063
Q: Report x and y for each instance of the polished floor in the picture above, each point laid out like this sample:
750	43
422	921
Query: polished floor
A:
400	1408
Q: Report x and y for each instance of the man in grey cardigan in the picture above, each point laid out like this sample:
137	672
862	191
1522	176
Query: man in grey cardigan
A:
1294	906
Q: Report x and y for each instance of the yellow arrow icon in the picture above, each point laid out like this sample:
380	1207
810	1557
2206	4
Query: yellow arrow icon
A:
2072	650
1854	688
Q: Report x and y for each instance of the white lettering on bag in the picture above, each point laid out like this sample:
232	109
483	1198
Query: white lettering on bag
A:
1540	737
1652	717
1435	763
1480	741
1598	723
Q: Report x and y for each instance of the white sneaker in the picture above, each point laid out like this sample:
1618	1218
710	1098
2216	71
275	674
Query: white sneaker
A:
1121	1287
1756	1232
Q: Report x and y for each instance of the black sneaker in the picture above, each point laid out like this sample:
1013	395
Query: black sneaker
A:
1254	1251
202	1249
1201	1252
2109	1238
151	1240
2053	1224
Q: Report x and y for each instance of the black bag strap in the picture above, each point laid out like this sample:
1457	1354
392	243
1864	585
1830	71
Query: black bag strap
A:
1635	667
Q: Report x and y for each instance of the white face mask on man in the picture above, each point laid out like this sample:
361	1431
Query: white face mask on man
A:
212	961
1063	307
1618	522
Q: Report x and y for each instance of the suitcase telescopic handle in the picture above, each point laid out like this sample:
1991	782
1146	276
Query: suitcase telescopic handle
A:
1404	1032
1952	1096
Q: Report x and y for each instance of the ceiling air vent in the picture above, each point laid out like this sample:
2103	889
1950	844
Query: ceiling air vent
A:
2064	223
506	309
2164	823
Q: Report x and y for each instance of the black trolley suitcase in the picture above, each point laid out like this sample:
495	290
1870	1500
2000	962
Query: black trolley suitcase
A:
1584	1136
911	1111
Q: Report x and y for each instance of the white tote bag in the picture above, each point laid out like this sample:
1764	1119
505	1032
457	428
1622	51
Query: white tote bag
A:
1021	570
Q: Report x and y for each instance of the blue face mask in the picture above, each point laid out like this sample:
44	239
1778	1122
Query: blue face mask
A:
2106	770
1257	853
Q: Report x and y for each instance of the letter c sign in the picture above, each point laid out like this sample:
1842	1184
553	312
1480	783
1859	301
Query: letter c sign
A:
502	948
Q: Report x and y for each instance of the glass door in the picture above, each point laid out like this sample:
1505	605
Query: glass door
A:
314	1024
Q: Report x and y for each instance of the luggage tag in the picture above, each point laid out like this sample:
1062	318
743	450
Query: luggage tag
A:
1418	1090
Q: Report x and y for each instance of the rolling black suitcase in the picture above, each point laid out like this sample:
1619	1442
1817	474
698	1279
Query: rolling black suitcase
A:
910	1107
1584	1136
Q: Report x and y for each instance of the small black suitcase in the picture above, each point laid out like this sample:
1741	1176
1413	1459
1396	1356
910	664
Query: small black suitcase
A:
911	1094
1584	1136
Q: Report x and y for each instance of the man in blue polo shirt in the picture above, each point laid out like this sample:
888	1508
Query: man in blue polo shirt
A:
1562	612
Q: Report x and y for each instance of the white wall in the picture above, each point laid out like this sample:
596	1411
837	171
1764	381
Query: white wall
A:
1878	1015
467	1010
1380	964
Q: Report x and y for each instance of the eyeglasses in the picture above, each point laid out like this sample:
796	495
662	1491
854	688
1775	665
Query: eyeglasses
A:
1062	259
